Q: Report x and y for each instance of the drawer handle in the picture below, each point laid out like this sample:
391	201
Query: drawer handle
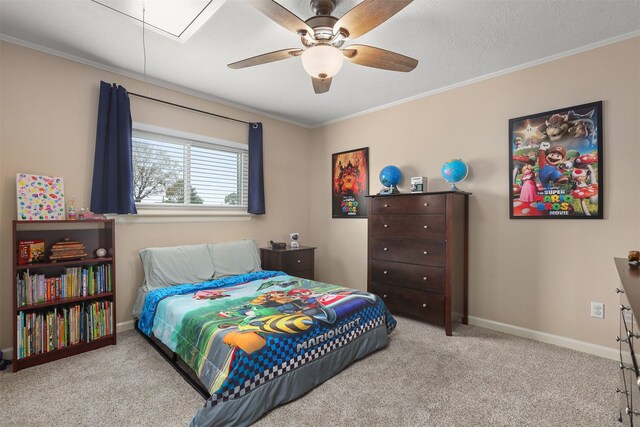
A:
619	291
426	204
424	278
386	226
386	206
385	249
632	335
624	307
628	368
426	226
626	393
618	339
385	272
426	253
631	411
424	305
384	296
299	261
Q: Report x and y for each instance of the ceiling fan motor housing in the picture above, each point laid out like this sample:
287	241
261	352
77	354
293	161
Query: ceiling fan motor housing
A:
322	29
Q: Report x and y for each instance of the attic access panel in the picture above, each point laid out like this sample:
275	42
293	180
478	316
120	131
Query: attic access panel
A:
178	20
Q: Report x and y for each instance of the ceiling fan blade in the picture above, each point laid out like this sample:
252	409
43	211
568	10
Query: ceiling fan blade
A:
282	16
367	15
321	85
266	58
375	57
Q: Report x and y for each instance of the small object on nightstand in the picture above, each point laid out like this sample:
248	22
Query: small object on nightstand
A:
277	245
294	240
634	258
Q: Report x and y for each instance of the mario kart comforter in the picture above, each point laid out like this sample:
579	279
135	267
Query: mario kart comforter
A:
261	339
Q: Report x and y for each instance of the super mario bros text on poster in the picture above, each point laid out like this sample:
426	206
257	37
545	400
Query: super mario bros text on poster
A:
556	164
350	186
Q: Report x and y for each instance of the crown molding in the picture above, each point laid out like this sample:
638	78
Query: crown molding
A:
151	80
225	102
509	70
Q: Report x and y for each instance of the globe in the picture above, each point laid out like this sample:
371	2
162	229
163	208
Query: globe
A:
390	176
453	171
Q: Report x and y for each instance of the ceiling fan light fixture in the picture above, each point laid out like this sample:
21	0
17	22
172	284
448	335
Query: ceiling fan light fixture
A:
322	61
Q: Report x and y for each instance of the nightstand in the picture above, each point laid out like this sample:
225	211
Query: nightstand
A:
295	262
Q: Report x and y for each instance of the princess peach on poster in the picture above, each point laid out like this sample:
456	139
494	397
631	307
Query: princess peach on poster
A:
528	192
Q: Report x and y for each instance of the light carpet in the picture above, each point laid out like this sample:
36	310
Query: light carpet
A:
478	377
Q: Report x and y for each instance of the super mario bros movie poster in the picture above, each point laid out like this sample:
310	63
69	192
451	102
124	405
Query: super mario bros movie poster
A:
350	173
556	164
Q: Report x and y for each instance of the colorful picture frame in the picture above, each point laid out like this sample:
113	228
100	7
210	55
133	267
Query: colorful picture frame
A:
350	183
39	197
555	164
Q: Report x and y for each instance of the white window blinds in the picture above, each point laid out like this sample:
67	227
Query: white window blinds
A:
170	171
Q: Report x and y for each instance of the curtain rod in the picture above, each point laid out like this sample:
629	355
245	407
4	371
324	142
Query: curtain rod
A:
188	108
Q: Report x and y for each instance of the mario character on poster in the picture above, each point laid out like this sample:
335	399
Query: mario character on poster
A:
350	172
556	164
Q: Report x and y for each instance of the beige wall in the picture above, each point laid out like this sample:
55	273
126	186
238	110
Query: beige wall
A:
48	124
533	274
540	275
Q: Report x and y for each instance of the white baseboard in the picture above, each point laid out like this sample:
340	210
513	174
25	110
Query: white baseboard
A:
124	326
585	347
7	353
120	327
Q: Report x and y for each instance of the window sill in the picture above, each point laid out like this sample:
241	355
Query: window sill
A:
163	216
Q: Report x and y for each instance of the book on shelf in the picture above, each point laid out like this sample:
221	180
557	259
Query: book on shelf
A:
74	282
44	331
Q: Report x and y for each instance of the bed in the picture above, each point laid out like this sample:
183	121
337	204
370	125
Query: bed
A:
249	339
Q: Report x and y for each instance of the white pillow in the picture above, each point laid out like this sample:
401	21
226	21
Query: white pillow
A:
234	258
176	265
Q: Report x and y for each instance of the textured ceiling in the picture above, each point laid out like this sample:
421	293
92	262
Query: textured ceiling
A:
454	40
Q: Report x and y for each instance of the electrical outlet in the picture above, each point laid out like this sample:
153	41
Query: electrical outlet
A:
597	310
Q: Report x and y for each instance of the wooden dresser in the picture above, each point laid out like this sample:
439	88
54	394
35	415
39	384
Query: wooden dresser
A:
629	386
417	256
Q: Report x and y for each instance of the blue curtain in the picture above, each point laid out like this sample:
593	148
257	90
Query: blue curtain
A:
112	190
256	175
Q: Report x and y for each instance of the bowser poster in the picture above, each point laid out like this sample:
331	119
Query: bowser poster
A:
350	183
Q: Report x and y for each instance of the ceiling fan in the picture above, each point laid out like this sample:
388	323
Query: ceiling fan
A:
323	36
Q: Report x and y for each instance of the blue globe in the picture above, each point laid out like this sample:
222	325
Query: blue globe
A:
390	176
453	171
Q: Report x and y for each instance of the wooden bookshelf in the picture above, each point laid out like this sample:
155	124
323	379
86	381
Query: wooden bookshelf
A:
94	234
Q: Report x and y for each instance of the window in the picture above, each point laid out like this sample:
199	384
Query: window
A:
172	169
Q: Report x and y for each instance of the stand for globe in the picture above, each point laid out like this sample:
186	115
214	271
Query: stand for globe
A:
389	190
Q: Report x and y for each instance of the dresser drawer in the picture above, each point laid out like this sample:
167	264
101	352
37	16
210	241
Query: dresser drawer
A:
420	277
409	226
298	261
435	203
424	252
423	305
